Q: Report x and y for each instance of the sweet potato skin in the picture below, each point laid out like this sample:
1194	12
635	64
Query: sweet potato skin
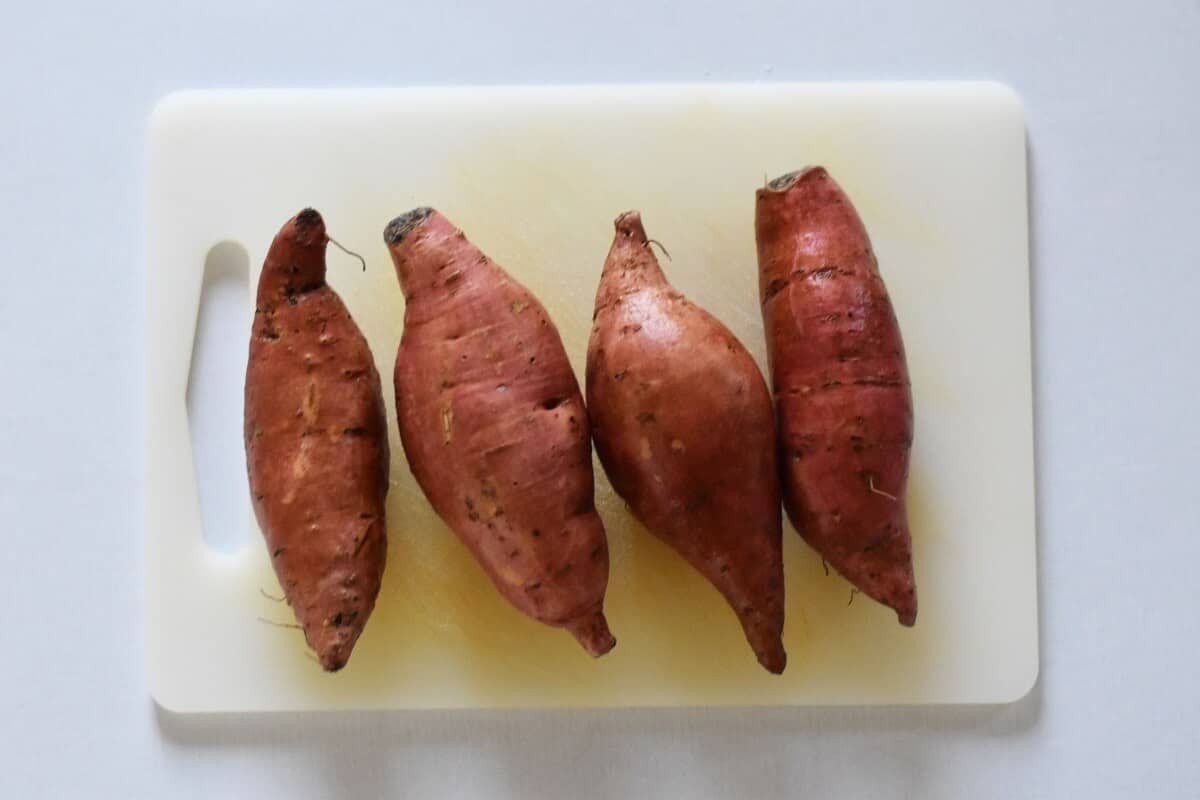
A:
684	427
841	386
844	403
316	444
494	427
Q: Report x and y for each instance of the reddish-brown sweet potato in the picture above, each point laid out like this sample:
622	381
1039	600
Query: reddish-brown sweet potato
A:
840	382
316	443
494	427
684	427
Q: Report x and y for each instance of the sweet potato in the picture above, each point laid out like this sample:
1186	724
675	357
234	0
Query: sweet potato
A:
684	428
844	405
316	444
494	427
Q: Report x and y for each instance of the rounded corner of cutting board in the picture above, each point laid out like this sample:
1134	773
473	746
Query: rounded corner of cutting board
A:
167	697
171	105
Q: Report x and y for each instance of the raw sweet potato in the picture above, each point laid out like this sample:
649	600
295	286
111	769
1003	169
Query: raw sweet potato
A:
840	383
494	427
684	427
316	444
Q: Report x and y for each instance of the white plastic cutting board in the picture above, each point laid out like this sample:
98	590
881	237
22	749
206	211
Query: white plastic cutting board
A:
535	176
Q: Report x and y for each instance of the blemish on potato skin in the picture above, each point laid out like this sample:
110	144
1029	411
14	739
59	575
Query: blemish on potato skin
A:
311	403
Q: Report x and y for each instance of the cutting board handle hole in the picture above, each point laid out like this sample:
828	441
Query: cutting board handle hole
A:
214	397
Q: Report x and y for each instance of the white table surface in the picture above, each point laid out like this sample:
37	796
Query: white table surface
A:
1113	110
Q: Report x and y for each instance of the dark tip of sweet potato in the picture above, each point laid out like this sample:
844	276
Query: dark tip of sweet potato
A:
773	660
398	228
308	218
307	231
785	181
906	610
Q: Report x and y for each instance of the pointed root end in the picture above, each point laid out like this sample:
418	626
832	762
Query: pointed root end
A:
333	658
773	658
591	630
